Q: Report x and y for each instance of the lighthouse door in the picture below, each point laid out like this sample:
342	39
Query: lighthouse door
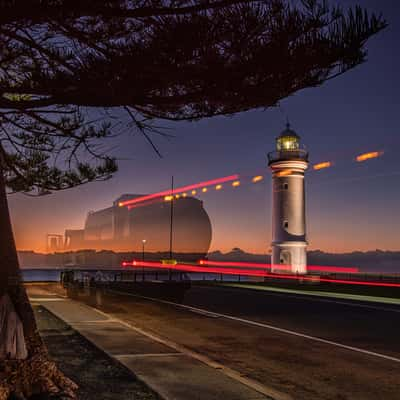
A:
285	257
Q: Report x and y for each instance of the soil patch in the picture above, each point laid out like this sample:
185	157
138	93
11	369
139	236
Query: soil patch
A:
99	377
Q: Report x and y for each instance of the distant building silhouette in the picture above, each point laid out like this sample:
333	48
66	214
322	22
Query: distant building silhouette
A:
120	229
54	243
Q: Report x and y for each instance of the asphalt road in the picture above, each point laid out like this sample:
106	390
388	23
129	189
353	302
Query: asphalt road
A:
307	347
375	327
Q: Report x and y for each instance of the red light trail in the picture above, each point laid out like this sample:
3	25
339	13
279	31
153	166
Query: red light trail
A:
255	273
235	264
179	190
319	268
218	181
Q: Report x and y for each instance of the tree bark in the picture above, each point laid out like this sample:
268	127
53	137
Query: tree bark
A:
28	370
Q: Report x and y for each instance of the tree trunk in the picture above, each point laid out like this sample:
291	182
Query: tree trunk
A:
25	368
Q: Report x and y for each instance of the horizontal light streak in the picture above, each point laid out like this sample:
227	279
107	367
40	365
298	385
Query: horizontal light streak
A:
244	272
240	264
320	268
257	178
322	165
284	173
179	190
368	156
168	195
235	182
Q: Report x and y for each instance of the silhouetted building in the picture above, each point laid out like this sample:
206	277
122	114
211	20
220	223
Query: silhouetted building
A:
54	242
120	229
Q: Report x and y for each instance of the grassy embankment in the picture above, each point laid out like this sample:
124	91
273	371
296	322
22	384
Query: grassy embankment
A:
389	295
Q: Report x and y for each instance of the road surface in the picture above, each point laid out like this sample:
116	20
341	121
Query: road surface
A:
309	348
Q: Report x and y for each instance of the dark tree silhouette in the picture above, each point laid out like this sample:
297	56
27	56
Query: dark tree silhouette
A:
152	59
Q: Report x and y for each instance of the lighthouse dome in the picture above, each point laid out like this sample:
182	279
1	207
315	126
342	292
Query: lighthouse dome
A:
288	140
288	147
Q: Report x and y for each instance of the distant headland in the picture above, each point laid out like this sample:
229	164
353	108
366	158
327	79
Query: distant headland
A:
378	261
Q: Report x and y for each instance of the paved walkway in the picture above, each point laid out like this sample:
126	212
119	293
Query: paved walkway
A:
174	374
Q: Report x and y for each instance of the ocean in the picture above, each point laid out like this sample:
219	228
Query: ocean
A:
41	275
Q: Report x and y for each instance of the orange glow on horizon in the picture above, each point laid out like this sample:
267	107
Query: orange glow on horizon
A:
349	233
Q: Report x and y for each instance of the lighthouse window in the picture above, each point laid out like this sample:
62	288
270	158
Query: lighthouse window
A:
285	186
285	224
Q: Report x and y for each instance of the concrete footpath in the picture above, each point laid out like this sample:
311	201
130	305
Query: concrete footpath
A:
170	371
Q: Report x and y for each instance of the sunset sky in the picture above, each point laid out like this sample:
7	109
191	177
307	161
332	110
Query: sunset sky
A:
351	206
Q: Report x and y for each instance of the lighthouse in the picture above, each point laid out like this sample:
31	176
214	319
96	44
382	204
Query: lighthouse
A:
288	163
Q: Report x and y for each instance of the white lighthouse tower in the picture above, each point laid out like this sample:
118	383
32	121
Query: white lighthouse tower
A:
288	164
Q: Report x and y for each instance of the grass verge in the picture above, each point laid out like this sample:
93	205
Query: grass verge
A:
329	291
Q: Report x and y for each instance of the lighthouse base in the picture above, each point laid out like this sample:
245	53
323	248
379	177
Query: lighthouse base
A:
289	257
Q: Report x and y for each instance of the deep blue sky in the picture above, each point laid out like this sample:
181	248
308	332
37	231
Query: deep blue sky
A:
351	206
